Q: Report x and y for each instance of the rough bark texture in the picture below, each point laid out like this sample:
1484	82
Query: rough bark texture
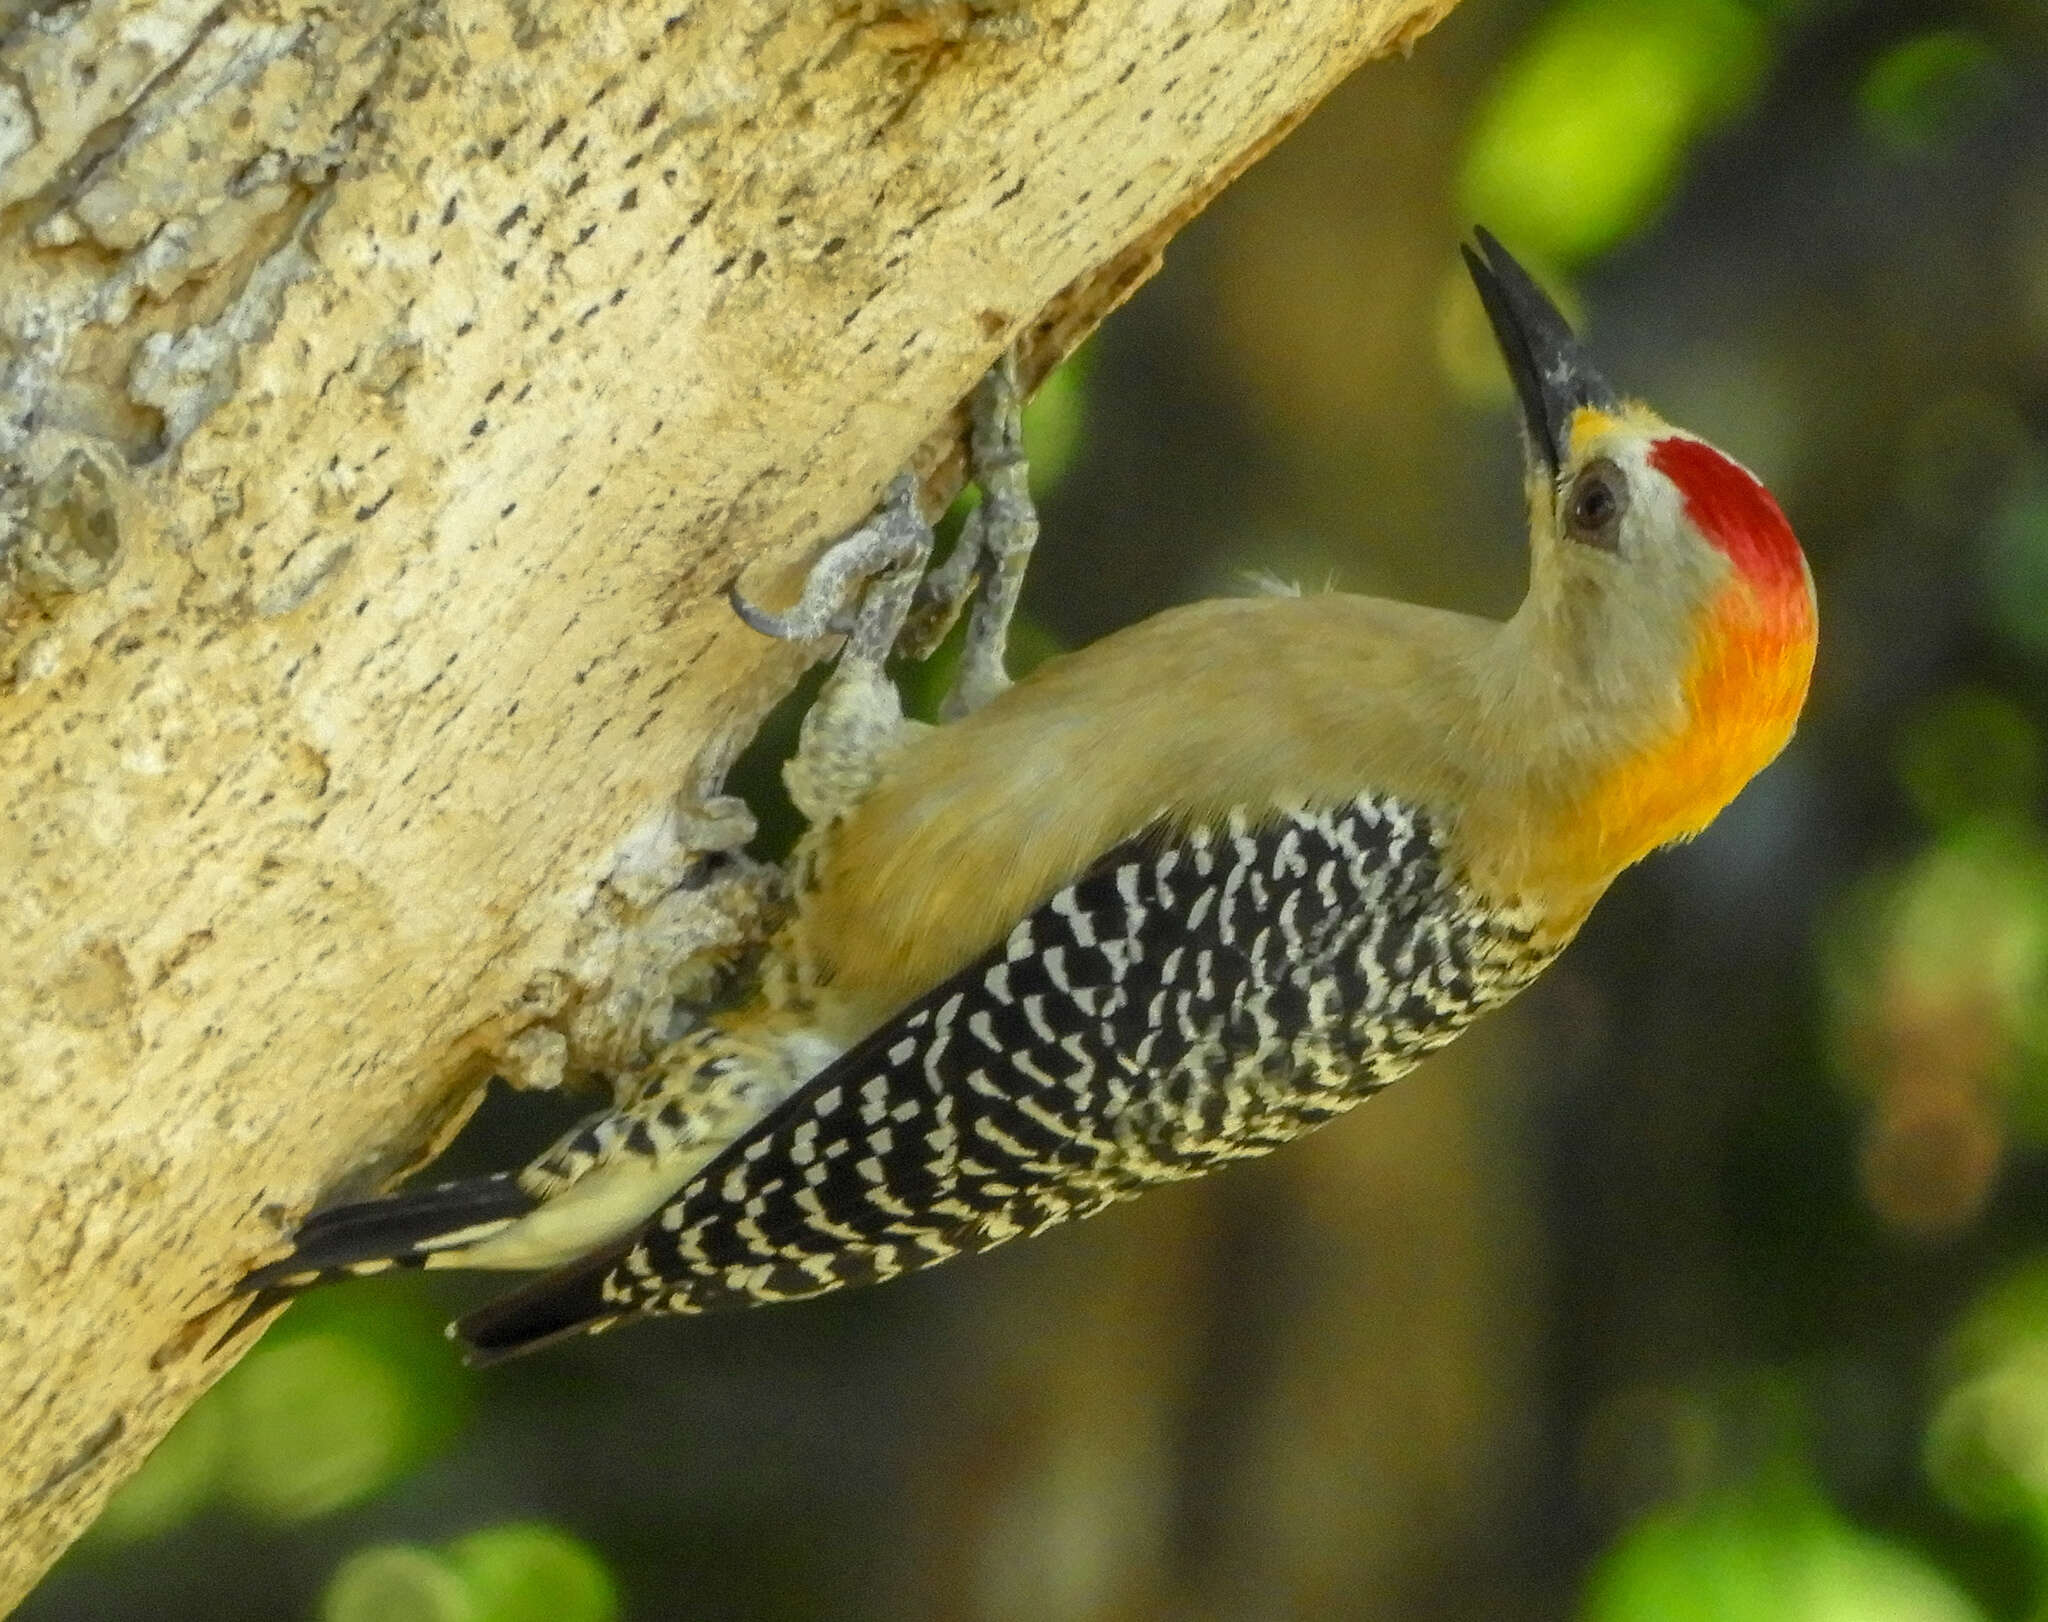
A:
386	390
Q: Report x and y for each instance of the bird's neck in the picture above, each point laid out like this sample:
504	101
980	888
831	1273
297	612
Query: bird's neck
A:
1738	700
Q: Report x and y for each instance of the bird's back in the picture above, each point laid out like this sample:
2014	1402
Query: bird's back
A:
1255	705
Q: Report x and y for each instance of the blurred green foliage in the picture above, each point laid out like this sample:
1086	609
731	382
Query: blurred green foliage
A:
1987	1444
397	1583
1777	1552
1937	975
1970	754
2016	560
1960	930
534	1573
343	1396
1927	91
1056	420
183	1474
1587	129
519	1573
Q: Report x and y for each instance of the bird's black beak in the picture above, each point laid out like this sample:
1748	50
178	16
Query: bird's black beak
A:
1553	377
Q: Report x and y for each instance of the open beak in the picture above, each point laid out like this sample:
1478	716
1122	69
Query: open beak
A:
1553	377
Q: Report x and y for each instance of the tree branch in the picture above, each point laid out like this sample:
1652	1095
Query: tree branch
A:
385	392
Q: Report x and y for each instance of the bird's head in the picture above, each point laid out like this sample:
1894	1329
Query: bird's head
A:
1668	634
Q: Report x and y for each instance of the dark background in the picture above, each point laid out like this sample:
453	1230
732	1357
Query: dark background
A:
1708	1282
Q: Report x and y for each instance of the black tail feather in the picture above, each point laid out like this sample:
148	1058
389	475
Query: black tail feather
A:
568	1301
258	1305
397	1229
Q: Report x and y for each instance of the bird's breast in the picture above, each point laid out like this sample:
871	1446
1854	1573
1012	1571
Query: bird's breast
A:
1743	691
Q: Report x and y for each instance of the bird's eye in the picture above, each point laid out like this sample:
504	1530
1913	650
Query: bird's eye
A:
1593	509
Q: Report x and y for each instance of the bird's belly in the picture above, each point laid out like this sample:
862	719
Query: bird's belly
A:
1287	1052
1189	1001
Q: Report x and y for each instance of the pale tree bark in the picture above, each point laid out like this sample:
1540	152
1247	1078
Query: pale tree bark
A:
386	391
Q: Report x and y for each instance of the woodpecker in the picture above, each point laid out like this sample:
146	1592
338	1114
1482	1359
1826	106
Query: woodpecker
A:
1169	901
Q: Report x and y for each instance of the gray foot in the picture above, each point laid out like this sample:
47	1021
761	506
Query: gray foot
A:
994	548
863	586
872	588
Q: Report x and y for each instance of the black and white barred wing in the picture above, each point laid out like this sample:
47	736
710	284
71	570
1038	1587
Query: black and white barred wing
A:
1187	1001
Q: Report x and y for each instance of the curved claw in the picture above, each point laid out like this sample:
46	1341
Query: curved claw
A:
791	627
756	619
894	538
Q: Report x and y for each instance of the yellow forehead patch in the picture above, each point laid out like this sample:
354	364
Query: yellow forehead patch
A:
1588	424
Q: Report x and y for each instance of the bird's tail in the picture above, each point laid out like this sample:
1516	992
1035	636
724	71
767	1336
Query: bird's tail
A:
395	1230
569	1301
372	1236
